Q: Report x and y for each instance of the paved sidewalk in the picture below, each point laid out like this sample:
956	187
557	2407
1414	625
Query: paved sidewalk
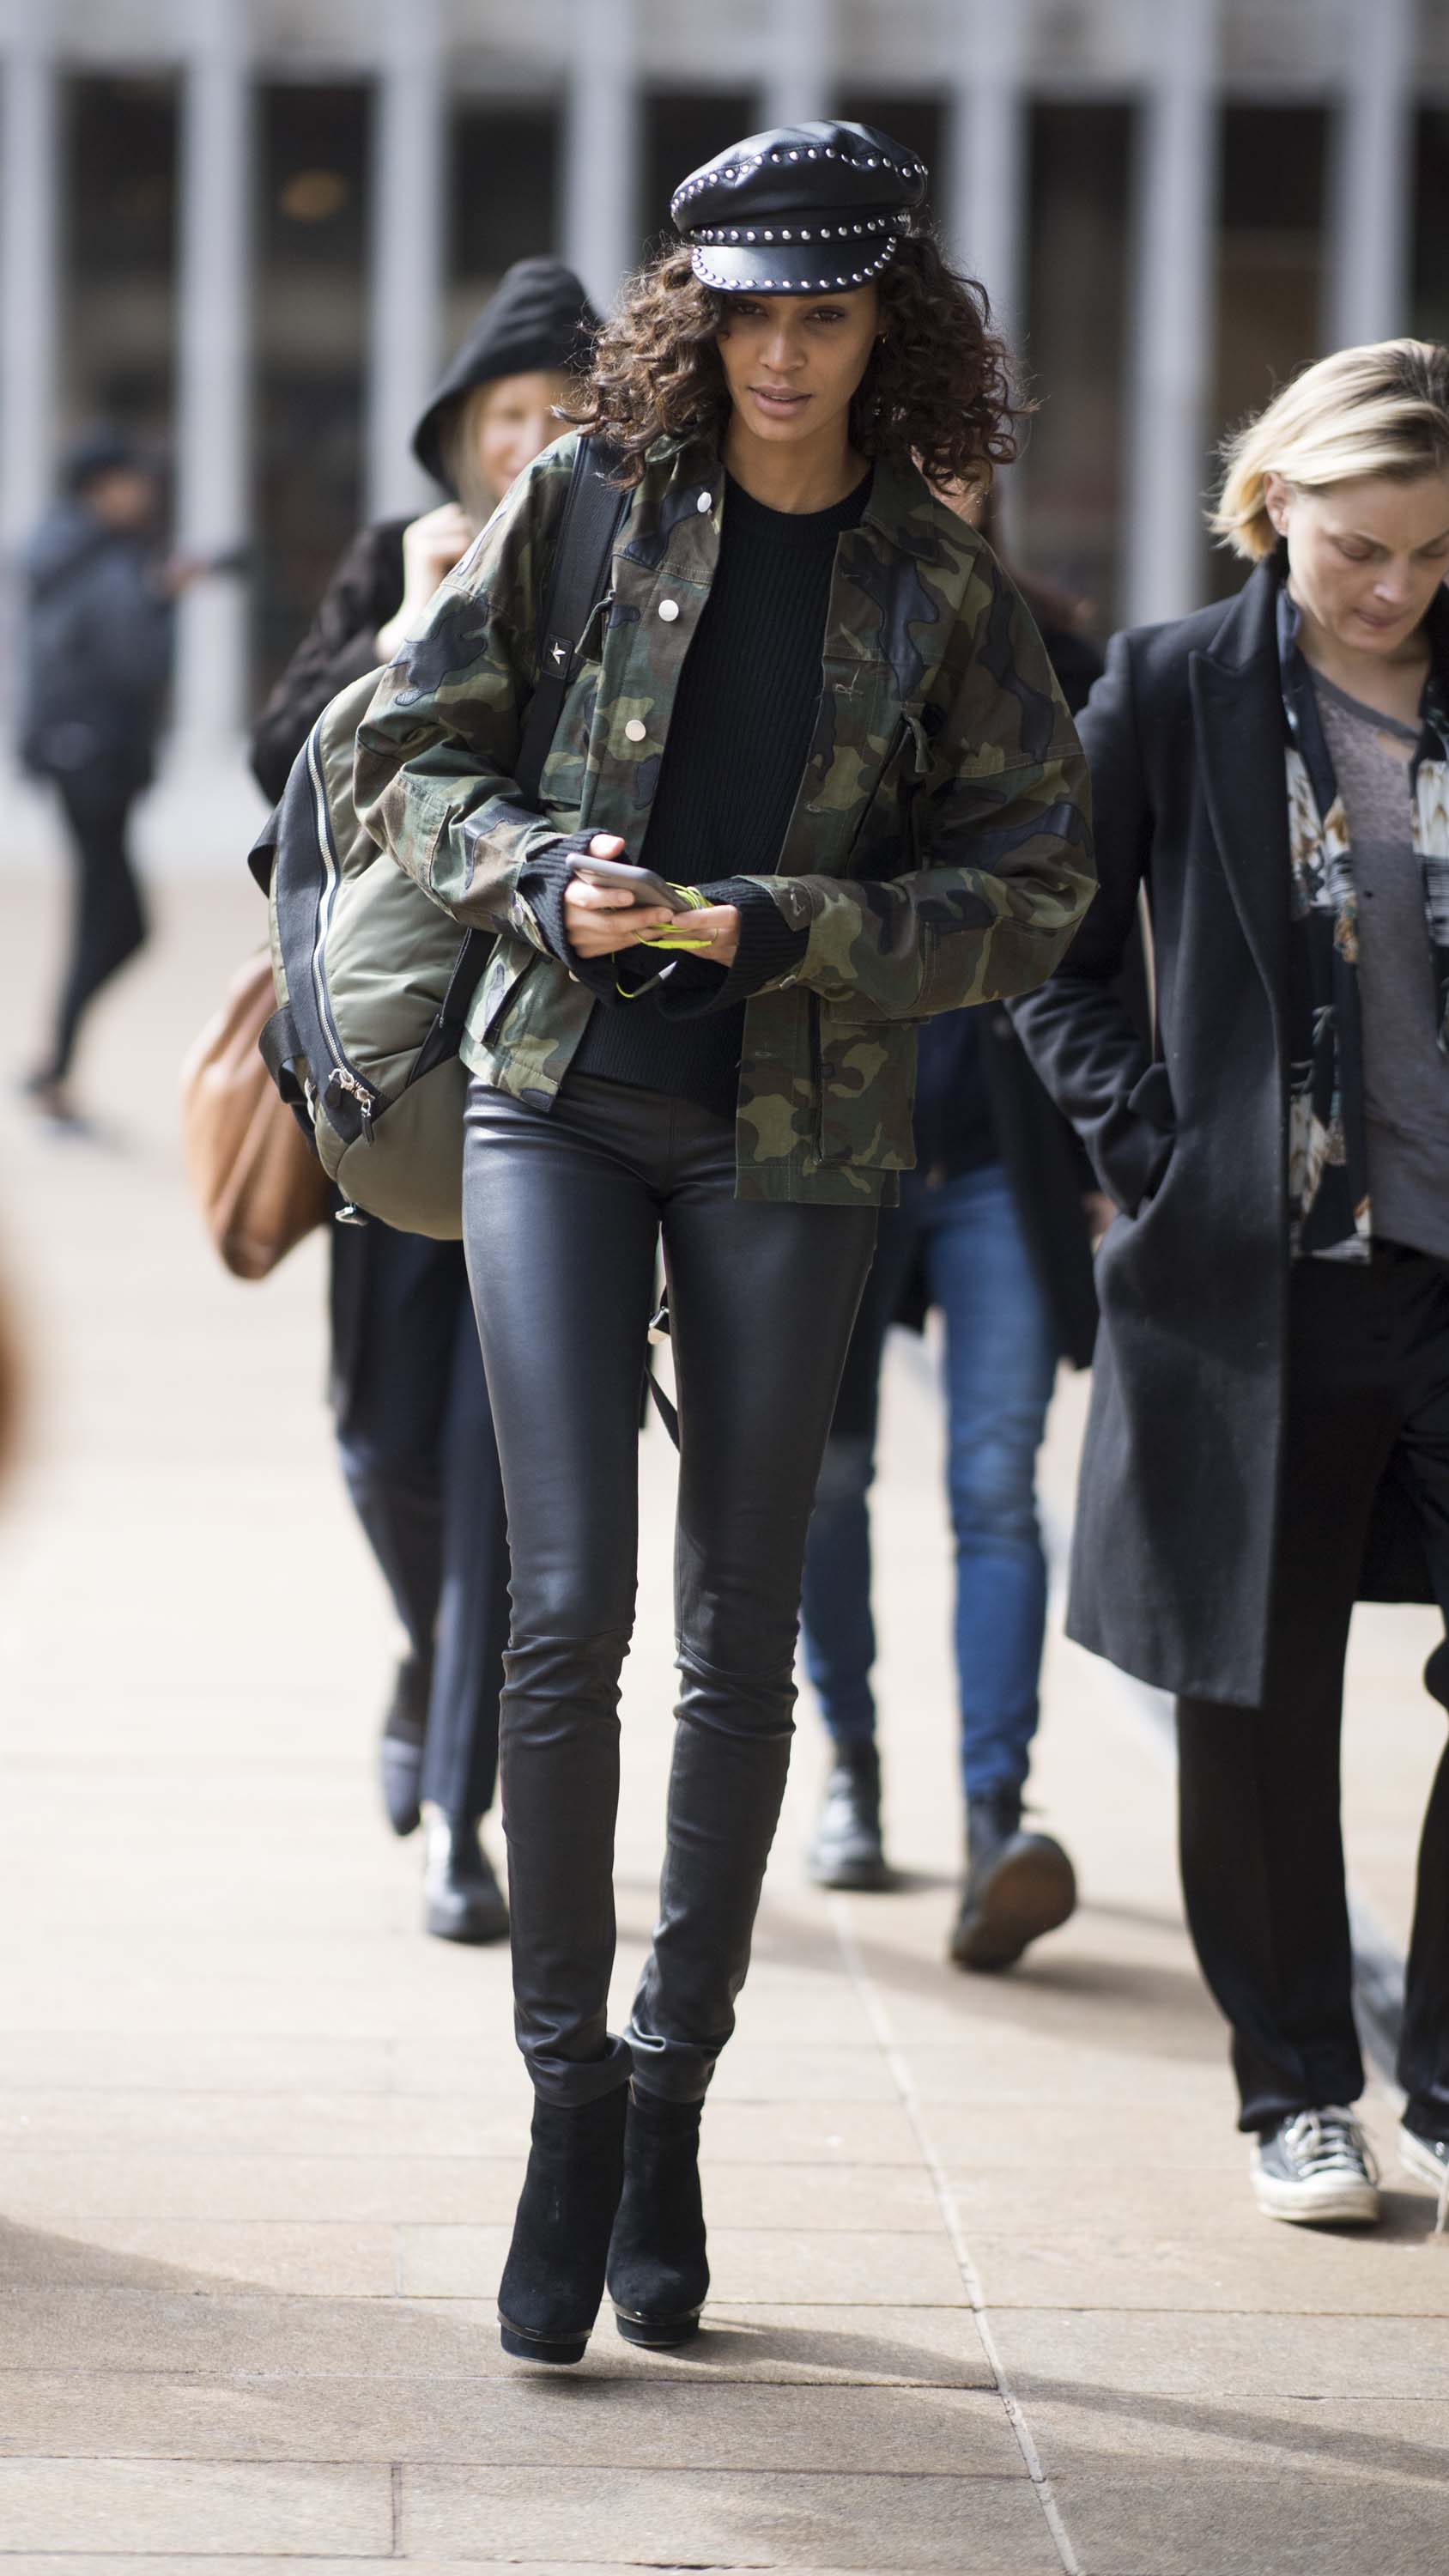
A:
990	2295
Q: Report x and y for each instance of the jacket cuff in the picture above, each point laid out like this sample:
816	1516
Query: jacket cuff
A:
768	951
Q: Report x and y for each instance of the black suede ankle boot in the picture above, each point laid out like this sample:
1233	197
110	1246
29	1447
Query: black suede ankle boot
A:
553	2279
658	2273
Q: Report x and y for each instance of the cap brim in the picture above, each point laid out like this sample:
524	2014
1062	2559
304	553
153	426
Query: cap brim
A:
789	268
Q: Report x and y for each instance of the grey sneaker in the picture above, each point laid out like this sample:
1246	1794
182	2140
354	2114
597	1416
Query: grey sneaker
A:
1427	2159
1317	2169
845	1849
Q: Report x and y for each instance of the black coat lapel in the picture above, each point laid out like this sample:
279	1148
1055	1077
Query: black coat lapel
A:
1239	731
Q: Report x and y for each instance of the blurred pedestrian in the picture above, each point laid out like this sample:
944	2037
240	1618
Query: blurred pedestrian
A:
408	1391
763	396
1269	1432
994	1229
95	664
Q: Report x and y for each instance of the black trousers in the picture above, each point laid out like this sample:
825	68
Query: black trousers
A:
108	920
1262	1847
563	1215
416	1440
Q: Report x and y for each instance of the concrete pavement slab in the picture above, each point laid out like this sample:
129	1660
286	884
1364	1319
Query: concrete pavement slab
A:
790	2264
1238	2522
318	2261
1397	2270
530	2420
52	2330
977	2527
1186	2354
207	2506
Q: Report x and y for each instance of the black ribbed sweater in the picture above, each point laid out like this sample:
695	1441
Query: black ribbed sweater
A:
738	741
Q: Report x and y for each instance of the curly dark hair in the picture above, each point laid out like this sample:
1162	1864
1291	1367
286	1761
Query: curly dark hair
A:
937	389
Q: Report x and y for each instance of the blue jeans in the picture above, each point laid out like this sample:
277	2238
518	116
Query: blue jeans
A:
1001	1359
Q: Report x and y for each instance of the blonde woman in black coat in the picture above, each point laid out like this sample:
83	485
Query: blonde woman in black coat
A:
1269	1432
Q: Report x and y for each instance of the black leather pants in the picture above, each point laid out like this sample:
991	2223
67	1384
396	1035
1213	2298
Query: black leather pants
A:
563	1212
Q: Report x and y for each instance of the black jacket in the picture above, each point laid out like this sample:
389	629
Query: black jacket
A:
1173	1550
338	647
97	649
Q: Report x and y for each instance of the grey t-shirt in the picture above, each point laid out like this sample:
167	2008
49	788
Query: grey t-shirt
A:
1406	1079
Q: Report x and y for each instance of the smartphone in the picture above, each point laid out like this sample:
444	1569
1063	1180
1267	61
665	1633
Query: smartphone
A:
641	883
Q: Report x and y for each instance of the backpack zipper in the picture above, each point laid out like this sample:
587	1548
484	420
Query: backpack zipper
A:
344	1076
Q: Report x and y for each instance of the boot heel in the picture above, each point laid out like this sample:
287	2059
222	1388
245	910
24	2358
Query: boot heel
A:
529	2347
657	2334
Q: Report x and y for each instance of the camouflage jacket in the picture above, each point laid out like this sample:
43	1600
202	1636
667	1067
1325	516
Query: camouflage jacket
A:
939	851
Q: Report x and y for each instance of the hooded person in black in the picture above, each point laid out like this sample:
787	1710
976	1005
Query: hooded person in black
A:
408	1391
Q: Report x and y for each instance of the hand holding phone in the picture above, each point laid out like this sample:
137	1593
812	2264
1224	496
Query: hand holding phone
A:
640	884
610	905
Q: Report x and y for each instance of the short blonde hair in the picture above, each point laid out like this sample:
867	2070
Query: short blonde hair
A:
1383	409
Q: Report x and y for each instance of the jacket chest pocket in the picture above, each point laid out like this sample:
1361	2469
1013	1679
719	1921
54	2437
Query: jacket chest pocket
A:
563	786
884	839
865	1085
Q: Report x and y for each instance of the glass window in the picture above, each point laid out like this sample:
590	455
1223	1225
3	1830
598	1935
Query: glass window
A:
119	320
1270	271
310	326
680	133
1067	491
1431	226
503	188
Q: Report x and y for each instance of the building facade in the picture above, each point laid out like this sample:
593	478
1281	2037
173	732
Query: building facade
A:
251	227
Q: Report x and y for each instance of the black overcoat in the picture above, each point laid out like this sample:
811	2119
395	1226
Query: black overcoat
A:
1172	1560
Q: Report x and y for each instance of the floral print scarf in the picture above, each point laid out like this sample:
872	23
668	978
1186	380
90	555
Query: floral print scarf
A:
1328	1186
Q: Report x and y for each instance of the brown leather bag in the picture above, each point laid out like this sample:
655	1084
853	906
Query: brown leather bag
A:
253	1175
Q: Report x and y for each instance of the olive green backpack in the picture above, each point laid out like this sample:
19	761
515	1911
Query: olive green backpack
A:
373	981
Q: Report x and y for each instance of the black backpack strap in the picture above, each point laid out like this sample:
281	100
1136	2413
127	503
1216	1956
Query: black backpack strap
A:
592	512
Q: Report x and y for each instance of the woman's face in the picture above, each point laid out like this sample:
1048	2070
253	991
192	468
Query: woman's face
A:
1364	557
793	362
515	423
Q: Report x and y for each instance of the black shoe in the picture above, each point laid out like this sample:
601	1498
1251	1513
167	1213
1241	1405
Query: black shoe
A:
553	2279
846	1849
658	2271
1436	1673
463	1899
400	1754
1018	1885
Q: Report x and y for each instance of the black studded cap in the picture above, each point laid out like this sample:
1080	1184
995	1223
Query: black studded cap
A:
801	209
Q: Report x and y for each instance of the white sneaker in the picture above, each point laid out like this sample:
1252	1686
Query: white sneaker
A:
1427	2159
1317	2169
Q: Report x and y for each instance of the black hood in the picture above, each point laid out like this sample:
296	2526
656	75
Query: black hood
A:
540	318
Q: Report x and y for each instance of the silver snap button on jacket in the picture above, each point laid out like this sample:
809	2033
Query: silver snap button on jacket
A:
704	502
634	730
669	610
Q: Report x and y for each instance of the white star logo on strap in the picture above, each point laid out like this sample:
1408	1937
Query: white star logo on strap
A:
560	653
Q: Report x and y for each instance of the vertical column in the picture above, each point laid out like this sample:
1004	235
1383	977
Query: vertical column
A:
1368	284
213	385
800	68
1174	217
29	268
602	146
409	173
982	188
